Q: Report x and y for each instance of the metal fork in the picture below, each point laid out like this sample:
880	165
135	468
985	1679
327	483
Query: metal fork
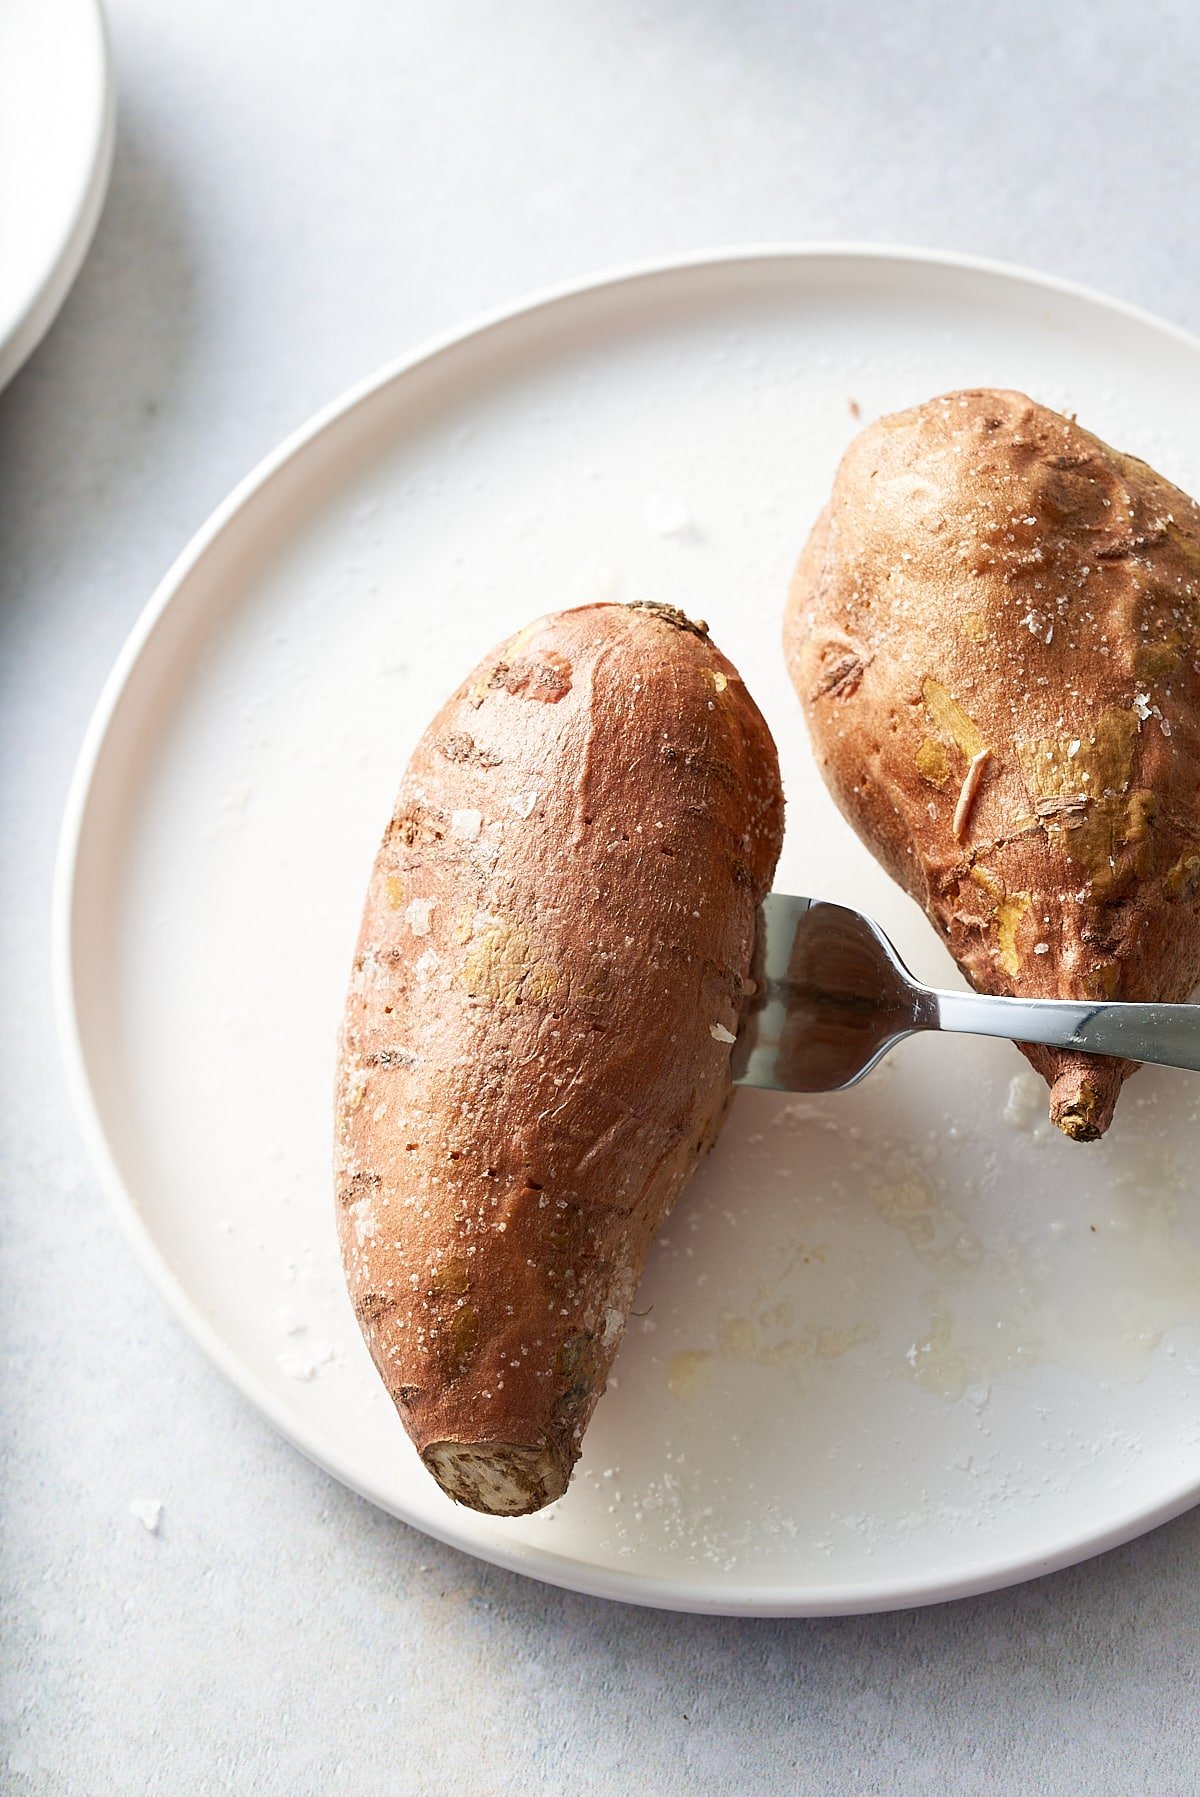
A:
834	997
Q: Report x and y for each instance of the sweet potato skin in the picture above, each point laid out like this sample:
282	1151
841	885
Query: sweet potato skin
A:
993	633
536	1046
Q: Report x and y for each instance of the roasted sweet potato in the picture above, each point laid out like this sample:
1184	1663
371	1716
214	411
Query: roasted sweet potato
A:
994	634
553	963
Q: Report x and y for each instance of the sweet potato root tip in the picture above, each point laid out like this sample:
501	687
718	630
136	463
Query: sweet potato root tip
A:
1081	1103
499	1478
671	614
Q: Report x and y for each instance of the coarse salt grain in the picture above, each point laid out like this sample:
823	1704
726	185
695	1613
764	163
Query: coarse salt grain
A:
149	1512
719	1033
466	825
366	1224
416	916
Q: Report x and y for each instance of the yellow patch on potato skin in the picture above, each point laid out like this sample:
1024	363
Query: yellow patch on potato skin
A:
988	883
452	1276
1102	981
393	887
1152	661
1182	879
1102	762
974	627
1009	913
1141	809
1008	909
1110	835
933	764
464	1337
948	719
503	968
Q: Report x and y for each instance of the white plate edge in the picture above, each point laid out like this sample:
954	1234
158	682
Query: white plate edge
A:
49	298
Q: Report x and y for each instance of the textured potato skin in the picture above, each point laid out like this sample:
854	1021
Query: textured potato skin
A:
991	584
536	1044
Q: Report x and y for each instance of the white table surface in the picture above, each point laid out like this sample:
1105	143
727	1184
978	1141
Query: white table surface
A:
301	192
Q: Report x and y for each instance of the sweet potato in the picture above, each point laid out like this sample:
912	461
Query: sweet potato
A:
993	632
552	966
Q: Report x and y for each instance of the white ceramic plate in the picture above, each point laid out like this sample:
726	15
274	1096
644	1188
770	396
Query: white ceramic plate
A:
56	144
896	1345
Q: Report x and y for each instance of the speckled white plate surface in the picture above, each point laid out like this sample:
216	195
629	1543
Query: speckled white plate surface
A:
56	145
892	1346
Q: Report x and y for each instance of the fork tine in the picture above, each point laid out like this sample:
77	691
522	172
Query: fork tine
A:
834	999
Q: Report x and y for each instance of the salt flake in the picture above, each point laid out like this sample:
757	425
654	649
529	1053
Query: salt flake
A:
427	965
417	916
149	1512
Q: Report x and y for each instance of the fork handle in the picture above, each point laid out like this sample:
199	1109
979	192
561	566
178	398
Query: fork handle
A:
1168	1034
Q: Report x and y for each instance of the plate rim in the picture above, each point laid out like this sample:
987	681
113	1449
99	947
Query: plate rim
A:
541	1563
49	293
